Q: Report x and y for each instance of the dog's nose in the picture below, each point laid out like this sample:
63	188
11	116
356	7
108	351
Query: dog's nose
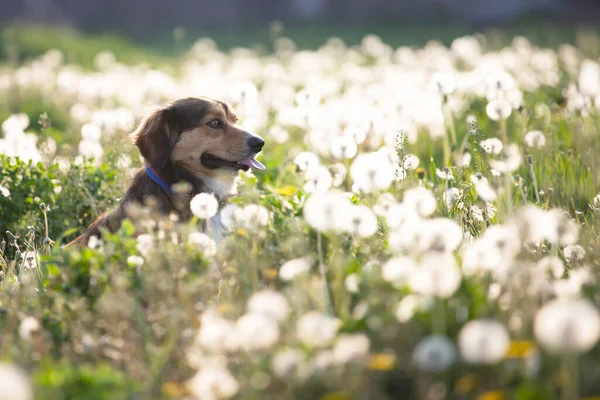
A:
256	144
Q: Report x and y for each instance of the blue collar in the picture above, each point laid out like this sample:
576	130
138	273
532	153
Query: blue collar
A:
154	176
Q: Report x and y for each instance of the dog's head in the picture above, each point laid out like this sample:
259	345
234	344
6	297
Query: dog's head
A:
200	135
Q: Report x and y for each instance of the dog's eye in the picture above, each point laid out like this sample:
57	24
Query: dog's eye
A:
215	124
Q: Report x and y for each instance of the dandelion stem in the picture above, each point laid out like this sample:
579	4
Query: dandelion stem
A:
451	127
532	173
446	150
570	390
503	133
508	195
463	144
323	273
46	223
439	317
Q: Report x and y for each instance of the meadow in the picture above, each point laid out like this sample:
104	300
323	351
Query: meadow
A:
426	226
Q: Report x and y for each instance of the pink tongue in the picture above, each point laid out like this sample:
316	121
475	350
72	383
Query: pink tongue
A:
253	163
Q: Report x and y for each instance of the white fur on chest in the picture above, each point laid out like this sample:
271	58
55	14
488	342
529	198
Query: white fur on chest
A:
222	186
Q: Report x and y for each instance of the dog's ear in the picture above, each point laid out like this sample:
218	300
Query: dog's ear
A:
155	137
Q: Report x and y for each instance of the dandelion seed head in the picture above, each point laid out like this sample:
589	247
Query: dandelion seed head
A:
204	205
349	347
316	330
270	303
498	110
294	268
14	383
434	353
567	325
436	275
535	139
483	341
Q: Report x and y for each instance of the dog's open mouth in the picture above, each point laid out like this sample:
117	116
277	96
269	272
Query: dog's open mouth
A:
214	162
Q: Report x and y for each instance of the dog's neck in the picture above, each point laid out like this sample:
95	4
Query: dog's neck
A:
223	186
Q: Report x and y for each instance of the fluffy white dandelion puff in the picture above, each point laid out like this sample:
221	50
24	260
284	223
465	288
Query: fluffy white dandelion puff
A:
434	353
567	326
270	303
316	330
483	341
204	205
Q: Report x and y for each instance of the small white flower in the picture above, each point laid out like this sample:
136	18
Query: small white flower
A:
438	234
294	268
434	353
338	174
400	217
451	196
384	202
316	330
243	93
465	160
204	243
574	253
14	383
91	132
443	83
16	123
498	109
216	333
204	205
437	275
270	303
411	161
407	308
485	191
318	180
535	139
135	261
351	283
371	172
491	145
31	260
255	216
4	191
324	359
477	213
552	264
144	244
29	327
596	201
445	174
421	200
571	287
567	326
349	347
398	270
232	216
95	242
343	147
327	211
285	361
510	161
360	221
483	342
212	383
256	331
306	161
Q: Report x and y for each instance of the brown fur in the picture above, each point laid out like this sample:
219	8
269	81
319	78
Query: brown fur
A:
172	139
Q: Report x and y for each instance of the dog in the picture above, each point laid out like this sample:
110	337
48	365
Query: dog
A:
194	140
